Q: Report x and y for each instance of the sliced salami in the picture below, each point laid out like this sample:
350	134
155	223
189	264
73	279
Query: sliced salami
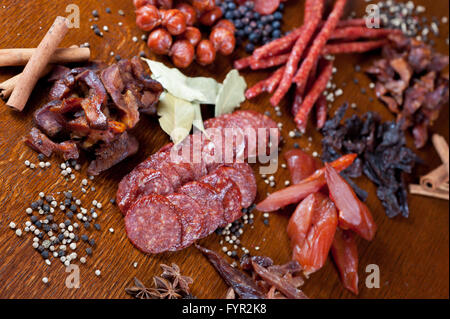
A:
242	175
152	225
141	182
229	193
209	201
190	151
190	216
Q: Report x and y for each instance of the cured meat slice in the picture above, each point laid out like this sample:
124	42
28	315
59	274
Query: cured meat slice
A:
152	225
242	175
190	151
230	195
209	200
141	182
190	216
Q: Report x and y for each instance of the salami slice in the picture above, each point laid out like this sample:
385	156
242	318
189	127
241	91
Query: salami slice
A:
190	216
209	201
230	195
190	151
152	225
141	182
242	175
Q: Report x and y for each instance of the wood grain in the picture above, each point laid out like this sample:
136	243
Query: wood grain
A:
413	254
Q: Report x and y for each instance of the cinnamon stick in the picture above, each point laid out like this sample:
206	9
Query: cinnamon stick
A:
8	86
37	63
441	146
19	57
435	178
419	190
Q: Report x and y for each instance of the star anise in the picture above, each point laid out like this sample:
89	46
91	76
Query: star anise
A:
178	280
166	289
139	291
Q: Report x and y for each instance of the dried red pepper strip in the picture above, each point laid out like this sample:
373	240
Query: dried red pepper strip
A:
269	62
345	256
315	15
319	43
267	85
354	47
300	164
317	237
282	284
321	111
353	214
241	283
279	45
353	33
301	118
243	63
295	193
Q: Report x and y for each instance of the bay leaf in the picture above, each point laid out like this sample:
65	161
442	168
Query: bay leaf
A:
176	116
231	94
201	90
198	119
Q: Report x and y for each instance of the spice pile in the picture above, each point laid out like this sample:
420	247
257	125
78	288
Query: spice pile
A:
182	22
267	281
170	285
410	82
382	155
250	24
303	57
61	226
405	16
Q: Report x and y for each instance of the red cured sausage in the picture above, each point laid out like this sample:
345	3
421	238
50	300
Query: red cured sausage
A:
160	41
206	53
189	12
210	202
174	21
182	53
210	17
152	225
242	175
227	24
138	183
191	217
148	18
230	195
223	40
265	7
193	35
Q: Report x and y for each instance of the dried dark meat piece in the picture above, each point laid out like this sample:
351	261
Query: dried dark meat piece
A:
243	285
49	122
383	156
108	155
42	144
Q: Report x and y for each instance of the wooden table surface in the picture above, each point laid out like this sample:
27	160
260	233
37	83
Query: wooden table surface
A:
412	254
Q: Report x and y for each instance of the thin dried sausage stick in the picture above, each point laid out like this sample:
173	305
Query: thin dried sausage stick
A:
243	63
354	47
348	23
319	43
267	85
321	111
301	118
353	33
278	45
315	16
298	99
269	62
